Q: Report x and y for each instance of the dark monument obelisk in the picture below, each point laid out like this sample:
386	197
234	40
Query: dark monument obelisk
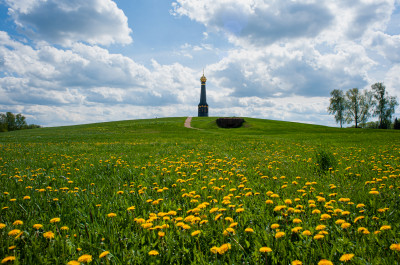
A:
203	106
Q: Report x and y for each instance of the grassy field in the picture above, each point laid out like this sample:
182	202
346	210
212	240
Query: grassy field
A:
155	192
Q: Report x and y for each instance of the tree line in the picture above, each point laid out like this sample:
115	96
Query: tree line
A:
356	106
11	122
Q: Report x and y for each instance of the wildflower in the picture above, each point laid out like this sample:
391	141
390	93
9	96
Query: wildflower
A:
195	233
85	258
224	248
18	222
161	234
269	202
306	233
111	215
288	201
279	235
37	226
153	253
360	205
345	225
55	220
2	225
340	221
316	211
297	262
12	247
374	192
48	235
346	257
14	232
274	226
131	208
296	221
317	237
325	262
358	218
214	250
218	216
239	210
103	254
265	249
229	231
395	247
386	227
325	216
7	259
65	228
249	230
73	262
320	227
297	229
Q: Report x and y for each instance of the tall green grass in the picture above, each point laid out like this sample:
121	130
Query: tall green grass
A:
180	180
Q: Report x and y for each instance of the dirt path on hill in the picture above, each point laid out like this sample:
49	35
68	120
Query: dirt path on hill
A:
187	123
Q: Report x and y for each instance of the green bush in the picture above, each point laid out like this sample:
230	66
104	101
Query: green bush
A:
325	160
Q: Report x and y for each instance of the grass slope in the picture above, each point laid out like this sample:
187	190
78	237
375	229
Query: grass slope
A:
140	186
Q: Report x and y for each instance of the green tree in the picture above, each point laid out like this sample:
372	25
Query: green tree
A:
10	118
384	105
337	106
357	106
3	123
396	124
20	122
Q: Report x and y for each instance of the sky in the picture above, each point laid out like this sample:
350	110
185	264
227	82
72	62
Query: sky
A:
66	62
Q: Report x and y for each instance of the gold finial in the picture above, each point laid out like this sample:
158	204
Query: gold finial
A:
203	79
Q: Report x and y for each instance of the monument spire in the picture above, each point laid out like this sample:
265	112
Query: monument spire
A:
203	106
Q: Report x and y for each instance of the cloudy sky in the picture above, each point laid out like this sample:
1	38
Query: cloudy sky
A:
66	62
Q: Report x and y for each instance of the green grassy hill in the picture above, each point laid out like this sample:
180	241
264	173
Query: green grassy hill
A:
154	192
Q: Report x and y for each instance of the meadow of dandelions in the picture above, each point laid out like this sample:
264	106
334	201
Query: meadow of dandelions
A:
183	196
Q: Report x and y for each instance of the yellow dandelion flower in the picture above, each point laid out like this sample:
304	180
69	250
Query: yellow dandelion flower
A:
249	230
340	221
12	247
269	202
395	247
274	226
345	225
325	216
320	227
14	232
214	250
153	253
239	210
386	227
358	218
85	258
316	211
306	233
265	249
7	259
2	225
37	226
111	215
65	228
297	262
317	237
131	208
224	248
346	257
48	235
27	198
325	262
195	233
297	229
374	192
161	234
279	235
18	222
103	254
55	220
218	216
73	262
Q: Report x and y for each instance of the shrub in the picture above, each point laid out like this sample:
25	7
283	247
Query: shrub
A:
325	160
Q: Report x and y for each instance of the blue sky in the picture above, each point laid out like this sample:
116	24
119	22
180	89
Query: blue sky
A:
73	62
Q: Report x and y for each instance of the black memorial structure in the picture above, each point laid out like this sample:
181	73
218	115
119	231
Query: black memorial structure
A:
203	106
